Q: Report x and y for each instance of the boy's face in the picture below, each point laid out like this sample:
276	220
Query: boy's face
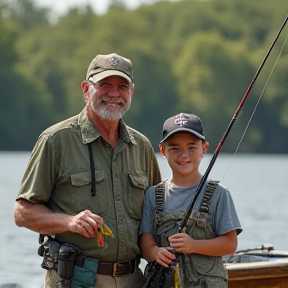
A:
184	152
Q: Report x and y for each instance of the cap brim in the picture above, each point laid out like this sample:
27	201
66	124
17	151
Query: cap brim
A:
106	73
183	130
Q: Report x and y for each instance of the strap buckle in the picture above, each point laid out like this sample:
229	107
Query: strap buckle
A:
115	267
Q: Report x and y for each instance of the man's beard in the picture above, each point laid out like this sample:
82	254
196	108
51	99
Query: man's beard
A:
103	111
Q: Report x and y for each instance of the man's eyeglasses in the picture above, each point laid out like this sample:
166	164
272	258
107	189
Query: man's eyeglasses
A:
105	87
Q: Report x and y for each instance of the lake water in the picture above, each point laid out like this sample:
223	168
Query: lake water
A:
258	184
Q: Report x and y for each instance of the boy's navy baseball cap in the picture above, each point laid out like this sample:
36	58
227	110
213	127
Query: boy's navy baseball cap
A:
103	66
183	122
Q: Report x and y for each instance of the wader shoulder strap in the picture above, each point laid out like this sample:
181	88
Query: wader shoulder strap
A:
159	201
211	185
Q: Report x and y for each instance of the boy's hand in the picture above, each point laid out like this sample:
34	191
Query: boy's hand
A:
181	242
164	257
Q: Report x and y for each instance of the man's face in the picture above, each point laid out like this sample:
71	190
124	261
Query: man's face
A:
110	98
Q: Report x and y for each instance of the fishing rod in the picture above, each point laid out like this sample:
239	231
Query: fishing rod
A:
183	223
182	226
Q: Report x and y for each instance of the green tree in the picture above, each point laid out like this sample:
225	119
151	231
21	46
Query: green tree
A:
190	56
20	108
212	73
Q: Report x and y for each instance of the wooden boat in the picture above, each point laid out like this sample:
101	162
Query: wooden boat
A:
262	267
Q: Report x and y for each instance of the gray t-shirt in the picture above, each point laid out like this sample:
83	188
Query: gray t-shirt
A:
222	208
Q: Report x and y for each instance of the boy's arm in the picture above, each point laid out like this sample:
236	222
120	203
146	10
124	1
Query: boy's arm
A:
151	251
222	245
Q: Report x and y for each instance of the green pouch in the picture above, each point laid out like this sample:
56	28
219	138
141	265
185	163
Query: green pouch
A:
84	277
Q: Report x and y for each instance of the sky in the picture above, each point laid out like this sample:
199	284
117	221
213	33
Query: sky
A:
99	6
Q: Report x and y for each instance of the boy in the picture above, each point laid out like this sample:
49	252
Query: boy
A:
213	224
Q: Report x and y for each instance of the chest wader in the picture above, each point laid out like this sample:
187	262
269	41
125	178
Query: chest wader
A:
195	270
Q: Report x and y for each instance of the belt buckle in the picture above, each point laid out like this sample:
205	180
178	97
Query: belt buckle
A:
115	266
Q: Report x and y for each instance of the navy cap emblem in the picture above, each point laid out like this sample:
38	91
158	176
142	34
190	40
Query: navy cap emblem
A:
180	120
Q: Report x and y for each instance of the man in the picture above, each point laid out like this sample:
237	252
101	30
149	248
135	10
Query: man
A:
86	178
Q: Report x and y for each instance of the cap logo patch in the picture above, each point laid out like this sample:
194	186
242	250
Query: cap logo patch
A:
180	120
114	61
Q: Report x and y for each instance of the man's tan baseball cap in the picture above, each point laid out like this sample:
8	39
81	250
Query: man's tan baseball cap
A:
103	66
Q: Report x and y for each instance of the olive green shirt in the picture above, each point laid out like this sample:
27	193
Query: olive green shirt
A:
59	175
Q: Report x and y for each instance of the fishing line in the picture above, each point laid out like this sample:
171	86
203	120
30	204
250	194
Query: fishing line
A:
256	106
182	225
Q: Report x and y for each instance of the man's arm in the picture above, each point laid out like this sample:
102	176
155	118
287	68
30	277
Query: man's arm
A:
38	218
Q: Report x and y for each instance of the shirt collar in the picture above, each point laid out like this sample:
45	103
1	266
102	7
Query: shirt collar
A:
90	133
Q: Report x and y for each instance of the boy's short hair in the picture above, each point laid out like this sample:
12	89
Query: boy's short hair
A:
183	122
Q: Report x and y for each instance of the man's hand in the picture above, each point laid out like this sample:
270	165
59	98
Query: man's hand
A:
85	223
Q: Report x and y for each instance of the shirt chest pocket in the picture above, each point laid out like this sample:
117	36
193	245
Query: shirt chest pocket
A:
138	183
81	195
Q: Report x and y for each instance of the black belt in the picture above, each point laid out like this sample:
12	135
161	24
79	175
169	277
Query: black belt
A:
117	269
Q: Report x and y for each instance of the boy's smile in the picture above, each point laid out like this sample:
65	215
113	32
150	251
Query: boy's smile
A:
184	152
